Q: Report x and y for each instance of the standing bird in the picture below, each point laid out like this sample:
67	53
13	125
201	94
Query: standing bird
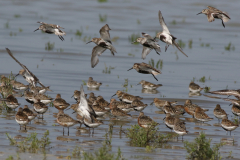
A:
148	44
93	84
219	113
194	88
165	36
102	43
228	125
145	68
212	13
149	85
60	103
145	121
27	75
51	29
179	127
21	118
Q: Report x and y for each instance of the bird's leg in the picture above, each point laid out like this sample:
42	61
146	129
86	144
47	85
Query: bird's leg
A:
166	47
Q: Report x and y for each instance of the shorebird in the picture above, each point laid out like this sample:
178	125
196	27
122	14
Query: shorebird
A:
201	116
212	13
233	101
128	98
40	90
149	85
228	92
179	108
65	120
169	121
101	102
121	105
29	96
145	68
190	108
236	110
21	118
76	95
91	122
93	84
102	43
145	121
4	79
165	36
40	107
26	73
195	88
99	110
228	125
148	44
138	105
60	103
117	112
31	115
160	103
92	97
51	29
219	113
119	94
168	108
12	102
43	98
18	85
179	127
84	109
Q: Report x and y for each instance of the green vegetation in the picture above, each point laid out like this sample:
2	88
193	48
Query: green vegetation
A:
60	50
107	69
114	39
102	18
190	43
12	34
84	83
17	15
201	148
181	43
203	79
131	55
10	158
235	120
229	47
20	30
102	1
87	38
133	37
49	46
207	89
31	143
173	22
79	33
125	85
206	44
158	65
143	137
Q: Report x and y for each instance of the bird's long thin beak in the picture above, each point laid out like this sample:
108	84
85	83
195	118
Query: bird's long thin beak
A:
72	96
89	42
199	13
17	75
130	69
138	84
114	95
36	30
67	109
134	42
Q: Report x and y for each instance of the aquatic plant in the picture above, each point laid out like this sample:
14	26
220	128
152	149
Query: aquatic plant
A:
86	38
229	47
173	22
142	137
207	89
79	32
17	15
107	70
159	63
203	79
10	158
84	83
114	39
235	120
31	143
181	43
201	148
125	85
102	18
190	43
102	1
133	37
49	46
131	55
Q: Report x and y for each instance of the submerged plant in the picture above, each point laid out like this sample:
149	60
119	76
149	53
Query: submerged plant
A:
201	148
49	46
203	79
229	47
158	65
125	85
102	18
190	43
133	37
207	89
181	43
107	70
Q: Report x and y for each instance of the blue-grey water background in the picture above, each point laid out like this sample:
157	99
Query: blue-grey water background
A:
68	64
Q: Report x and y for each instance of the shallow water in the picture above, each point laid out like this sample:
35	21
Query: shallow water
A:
64	71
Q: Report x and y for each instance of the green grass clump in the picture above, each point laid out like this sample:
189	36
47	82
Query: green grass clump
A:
174	22
102	18
190	43
158	65
143	137
125	85
201	148
17	15
31	143
203	79
107	70
49	46
79	33
102	1
181	43
133	37
207	89
229	47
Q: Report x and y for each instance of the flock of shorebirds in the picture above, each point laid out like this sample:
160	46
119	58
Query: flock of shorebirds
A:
89	109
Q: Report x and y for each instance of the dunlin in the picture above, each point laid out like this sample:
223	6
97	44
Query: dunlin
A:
219	113
236	110
102	43
145	68
18	85
179	108
193	87
144	121
160	103
21	118
92	97
122	105
4	79
65	120
168	108
79	119
76	95
149	85
138	105
31	115
51	29
212	13
91	122
228	125
119	94
201	116
84	109
29	96
60	103
99	110
7	90
233	101
165	36
148	44
26	73
179	127
12	102
101	102
93	84
228	92
40	107
128	98
43	98
169	121
190	108
40	90
117	112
